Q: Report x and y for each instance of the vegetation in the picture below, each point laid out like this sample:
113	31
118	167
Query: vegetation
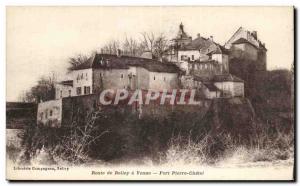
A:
261	128
147	42
112	135
44	90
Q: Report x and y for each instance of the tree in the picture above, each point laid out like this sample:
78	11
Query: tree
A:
111	47
43	91
148	41
160	46
132	47
77	60
75	147
157	45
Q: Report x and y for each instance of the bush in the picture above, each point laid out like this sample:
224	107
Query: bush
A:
111	134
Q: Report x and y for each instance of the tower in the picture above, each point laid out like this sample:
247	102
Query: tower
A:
182	37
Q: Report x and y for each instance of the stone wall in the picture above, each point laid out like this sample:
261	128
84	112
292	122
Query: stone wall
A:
50	113
110	79
231	89
78	107
18	114
160	81
244	51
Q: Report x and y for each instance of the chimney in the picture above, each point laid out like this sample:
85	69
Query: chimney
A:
119	53
254	34
211	38
198	35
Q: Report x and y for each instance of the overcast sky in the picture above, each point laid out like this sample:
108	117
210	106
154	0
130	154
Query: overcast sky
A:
40	40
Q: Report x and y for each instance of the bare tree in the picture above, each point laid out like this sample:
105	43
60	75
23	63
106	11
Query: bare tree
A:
156	44
160	46
131	47
75	147
43	91
111	47
77	60
148	41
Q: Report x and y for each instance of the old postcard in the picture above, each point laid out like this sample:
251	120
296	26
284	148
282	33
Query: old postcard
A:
150	93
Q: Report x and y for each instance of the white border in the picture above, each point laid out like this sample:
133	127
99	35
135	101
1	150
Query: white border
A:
4	3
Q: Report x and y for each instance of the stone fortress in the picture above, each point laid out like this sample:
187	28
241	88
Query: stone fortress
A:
199	63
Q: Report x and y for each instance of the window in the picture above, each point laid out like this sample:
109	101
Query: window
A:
153	77
69	93
61	94
122	76
87	90
78	90
181	57
46	114
42	115
51	112
192	57
86	76
164	78
82	76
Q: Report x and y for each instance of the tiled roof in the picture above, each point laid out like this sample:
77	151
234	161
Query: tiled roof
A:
109	61
211	87
221	50
203	44
242	41
197	44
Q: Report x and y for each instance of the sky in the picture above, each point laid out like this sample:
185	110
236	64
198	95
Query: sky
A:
39	40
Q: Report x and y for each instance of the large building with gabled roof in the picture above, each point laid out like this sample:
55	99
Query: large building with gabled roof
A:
199	63
199	52
245	45
106	71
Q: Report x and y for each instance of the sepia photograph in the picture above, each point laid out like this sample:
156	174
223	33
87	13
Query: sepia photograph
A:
157	93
